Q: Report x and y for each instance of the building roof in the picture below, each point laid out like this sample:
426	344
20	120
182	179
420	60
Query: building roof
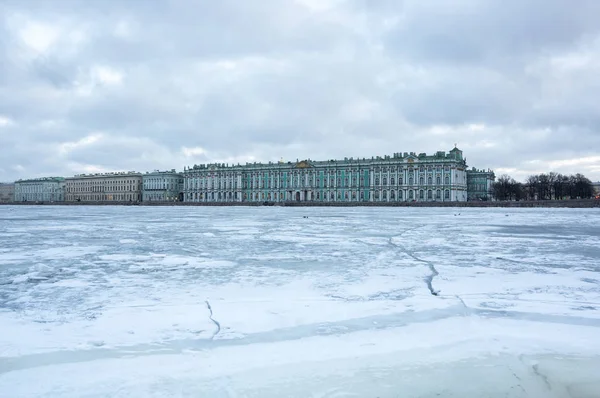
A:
453	156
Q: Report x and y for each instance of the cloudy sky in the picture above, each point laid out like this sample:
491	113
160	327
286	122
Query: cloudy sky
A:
103	85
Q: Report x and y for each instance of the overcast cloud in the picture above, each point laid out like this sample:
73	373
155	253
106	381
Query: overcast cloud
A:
98	85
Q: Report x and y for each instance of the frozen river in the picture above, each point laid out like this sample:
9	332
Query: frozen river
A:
299	302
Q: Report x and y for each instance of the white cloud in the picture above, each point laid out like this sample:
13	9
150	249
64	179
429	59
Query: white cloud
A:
192	152
5	121
40	36
106	75
67	147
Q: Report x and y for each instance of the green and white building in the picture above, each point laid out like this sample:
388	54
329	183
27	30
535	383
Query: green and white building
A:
479	184
46	189
162	186
400	177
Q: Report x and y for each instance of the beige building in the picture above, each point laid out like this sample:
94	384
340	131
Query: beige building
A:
7	192
108	187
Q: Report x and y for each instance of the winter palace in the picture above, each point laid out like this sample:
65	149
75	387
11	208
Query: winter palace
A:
400	177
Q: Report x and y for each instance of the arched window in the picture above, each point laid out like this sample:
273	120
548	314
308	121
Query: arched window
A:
447	180
376	194
438	194
392	181
384	180
399	195
437	180
447	194
384	195
353	195
421	181
346	181
318	195
377	181
429	181
345	195
332	196
421	194
410	181
430	194
411	194
393	195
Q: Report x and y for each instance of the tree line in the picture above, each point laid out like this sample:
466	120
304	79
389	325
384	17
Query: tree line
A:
550	186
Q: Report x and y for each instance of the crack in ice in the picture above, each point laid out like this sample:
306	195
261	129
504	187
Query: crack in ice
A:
432	269
217	324
536	370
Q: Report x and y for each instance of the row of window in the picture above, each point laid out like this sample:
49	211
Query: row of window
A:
117	188
103	197
332	196
268	184
392	169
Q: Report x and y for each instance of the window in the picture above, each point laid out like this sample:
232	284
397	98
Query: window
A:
376	194
421	181
410	181
447	180
421	194
377	181
430	194
429	181
392	181
411	194
438	194
447	194
437	180
384	195
392	195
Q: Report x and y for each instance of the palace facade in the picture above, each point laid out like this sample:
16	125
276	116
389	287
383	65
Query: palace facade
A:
162	186
479	184
45	189
401	177
104	187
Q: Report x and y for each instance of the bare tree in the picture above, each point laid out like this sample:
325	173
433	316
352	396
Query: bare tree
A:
543	187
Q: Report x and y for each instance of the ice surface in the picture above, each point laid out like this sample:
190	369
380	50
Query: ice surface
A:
263	302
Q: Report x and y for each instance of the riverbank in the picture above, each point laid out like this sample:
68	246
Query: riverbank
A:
575	203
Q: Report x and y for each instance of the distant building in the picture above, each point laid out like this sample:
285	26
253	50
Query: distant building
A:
46	189
596	187
401	177
7	192
479	184
162	186
104	187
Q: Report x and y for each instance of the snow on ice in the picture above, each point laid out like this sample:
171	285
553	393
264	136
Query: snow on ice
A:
266	302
